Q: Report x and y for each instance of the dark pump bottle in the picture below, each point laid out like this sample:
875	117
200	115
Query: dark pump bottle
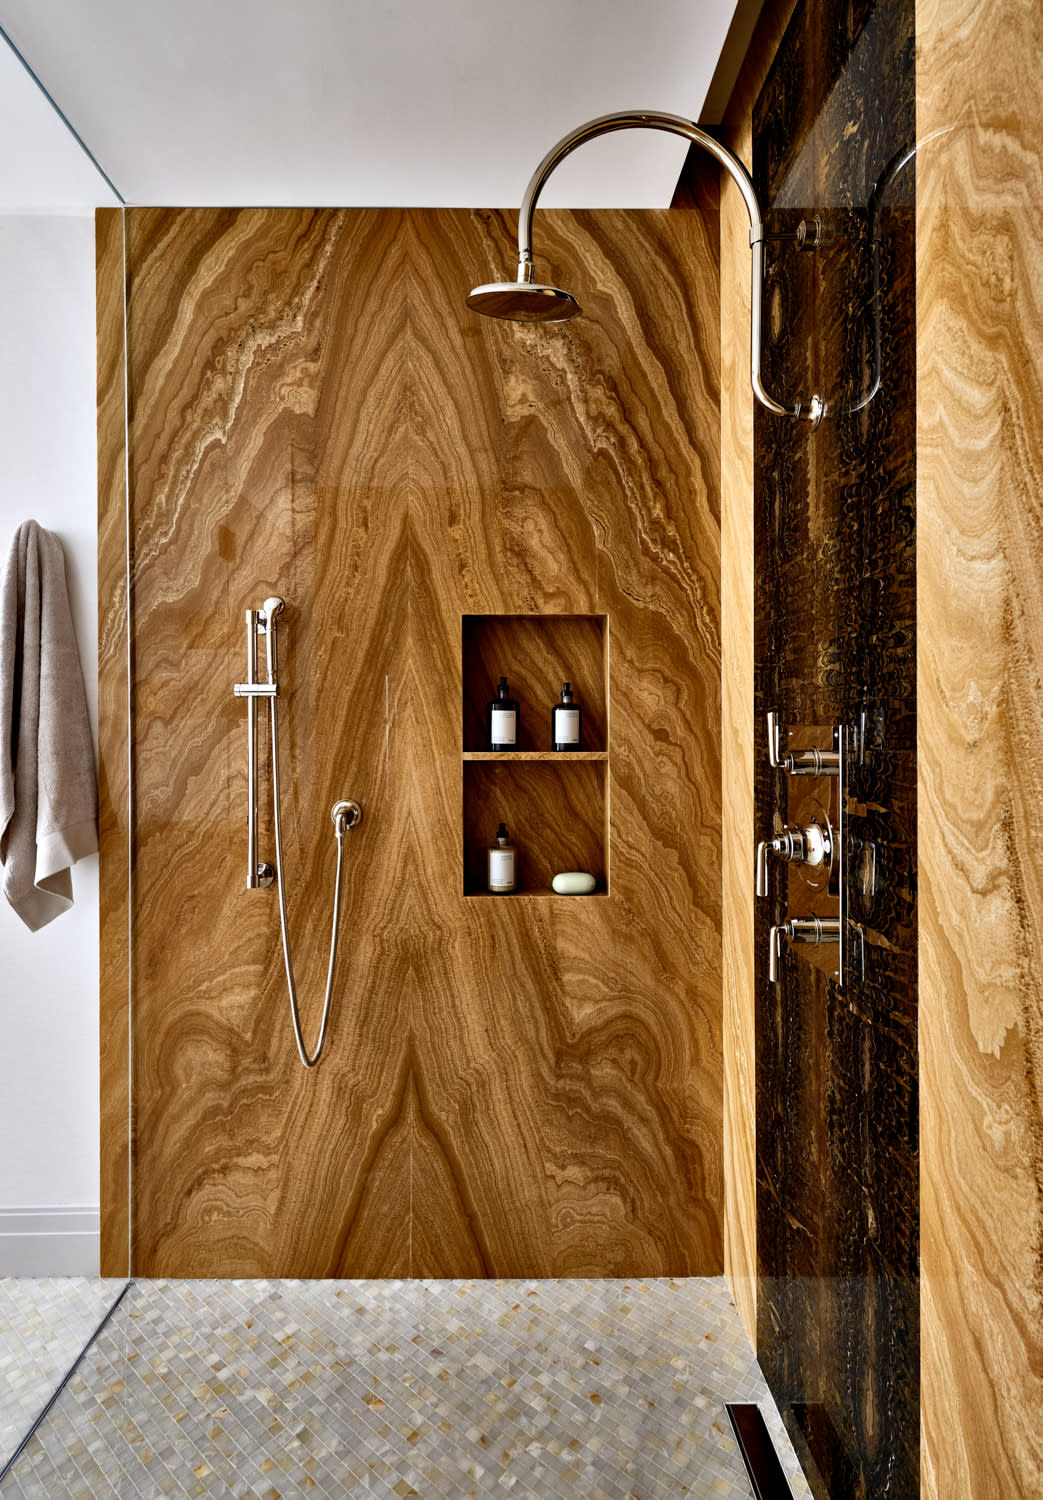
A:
502	716
566	727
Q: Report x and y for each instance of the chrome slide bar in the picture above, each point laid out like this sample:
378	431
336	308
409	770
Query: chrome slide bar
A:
257	623
345	813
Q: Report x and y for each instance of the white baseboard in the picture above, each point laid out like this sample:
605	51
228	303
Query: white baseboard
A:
54	1240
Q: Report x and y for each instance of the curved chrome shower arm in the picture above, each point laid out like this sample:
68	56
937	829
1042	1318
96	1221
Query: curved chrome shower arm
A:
673	125
646	119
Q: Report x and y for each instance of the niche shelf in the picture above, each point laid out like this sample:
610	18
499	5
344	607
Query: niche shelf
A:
547	755
553	802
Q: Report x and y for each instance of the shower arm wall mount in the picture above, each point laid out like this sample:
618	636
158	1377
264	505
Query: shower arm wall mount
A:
815	409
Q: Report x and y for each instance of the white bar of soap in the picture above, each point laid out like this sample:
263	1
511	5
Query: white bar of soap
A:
573	883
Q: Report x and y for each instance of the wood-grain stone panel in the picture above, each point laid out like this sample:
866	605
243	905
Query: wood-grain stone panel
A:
980	478
511	1088
740	737
114	789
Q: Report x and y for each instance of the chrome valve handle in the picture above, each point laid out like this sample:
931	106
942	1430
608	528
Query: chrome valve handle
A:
810	845
799	762
760	879
813	930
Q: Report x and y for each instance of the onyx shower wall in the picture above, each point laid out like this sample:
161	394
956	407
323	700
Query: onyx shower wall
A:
512	1086
837	1190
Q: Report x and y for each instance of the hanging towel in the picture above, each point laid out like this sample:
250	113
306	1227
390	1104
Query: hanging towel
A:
48	783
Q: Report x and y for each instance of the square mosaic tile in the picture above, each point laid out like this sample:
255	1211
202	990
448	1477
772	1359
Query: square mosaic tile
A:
602	1390
44	1323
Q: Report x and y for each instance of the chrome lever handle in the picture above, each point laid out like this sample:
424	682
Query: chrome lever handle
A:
760	879
798	762
810	845
813	930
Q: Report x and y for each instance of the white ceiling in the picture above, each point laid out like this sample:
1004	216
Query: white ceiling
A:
42	169
349	102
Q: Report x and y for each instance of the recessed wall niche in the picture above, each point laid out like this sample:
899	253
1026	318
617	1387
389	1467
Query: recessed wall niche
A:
553	802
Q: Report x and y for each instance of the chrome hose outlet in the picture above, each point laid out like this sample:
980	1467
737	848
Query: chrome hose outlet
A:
346	815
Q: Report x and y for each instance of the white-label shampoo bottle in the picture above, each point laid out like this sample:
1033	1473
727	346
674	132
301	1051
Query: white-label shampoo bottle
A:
566	721
503	863
502	720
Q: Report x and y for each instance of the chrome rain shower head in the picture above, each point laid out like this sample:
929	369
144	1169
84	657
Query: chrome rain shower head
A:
523	302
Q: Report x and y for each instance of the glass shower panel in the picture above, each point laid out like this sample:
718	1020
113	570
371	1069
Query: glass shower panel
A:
49	188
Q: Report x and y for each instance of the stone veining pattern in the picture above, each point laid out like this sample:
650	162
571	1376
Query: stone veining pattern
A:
979	316
837	1114
512	1088
274	1388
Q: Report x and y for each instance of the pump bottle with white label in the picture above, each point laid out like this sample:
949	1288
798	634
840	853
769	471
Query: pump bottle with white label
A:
502	863
503	720
566	721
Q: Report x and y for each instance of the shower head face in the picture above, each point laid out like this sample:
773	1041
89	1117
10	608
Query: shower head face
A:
523	302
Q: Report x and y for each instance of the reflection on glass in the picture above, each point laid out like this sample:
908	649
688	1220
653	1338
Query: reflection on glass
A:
49	188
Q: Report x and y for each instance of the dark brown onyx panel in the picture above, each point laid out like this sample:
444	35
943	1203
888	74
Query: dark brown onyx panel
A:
837	1188
536	653
512	1087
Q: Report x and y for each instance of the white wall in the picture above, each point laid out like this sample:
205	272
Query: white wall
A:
49	979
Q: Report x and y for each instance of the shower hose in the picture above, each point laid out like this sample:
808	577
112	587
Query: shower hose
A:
341	825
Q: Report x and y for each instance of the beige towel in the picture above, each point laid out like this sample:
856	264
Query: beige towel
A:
48	783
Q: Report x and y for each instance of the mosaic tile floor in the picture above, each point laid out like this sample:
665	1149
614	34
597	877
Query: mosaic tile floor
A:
594	1390
44	1323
